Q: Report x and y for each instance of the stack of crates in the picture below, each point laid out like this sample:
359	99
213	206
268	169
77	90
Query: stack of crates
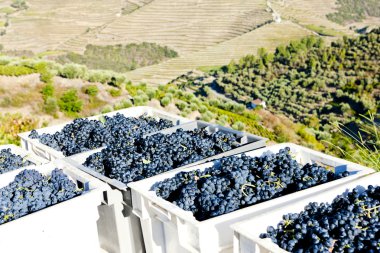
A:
114	217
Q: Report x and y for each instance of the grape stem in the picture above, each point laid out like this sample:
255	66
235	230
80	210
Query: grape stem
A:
246	185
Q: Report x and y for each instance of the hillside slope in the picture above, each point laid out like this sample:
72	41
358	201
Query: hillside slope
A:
269	36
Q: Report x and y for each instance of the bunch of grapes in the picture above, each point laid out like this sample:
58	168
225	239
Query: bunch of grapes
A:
136	159
31	191
236	182
10	161
83	134
351	223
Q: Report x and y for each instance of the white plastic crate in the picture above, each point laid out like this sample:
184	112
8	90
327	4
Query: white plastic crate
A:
124	222
119	229
46	152
247	233
68	226
168	228
36	160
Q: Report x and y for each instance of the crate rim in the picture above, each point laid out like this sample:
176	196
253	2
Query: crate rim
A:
188	216
242	229
45	169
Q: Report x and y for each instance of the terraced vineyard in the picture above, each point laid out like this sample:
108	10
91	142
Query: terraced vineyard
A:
310	13
46	24
268	36
187	26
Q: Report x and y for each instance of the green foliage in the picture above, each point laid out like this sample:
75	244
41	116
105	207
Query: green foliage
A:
47	91
207	116
238	126
51	106
13	70
114	92
140	100
120	58
99	76
193	106
126	103
165	101
133	89
107	109
202	109
365	142
45	74
73	71
91	90
354	10
185	112
222	120
306	79
181	105
70	103
19	4
324	31
151	93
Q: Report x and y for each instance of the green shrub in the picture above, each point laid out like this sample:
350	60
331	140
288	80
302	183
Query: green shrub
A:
107	109
47	91
69	102
238	125
45	74
123	104
172	90
151	93
139	100
51	106
202	109
189	96
207	116
91	90
165	101
222	120
181	105
114	92
186	112
193	106
9	70
99	76
214	102
72	71
169	95
119	58
19	4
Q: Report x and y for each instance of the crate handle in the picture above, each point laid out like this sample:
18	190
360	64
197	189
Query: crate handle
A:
161	213
40	152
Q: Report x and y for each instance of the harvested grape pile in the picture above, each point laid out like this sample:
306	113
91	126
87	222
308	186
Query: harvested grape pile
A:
83	135
351	223
10	161
146	157
31	191
235	182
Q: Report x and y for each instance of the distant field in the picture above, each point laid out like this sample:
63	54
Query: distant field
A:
204	33
306	13
185	26
189	25
268	36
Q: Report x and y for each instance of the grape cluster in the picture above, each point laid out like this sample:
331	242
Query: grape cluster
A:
10	161
83	134
136	159
236	182
31	191
351	223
